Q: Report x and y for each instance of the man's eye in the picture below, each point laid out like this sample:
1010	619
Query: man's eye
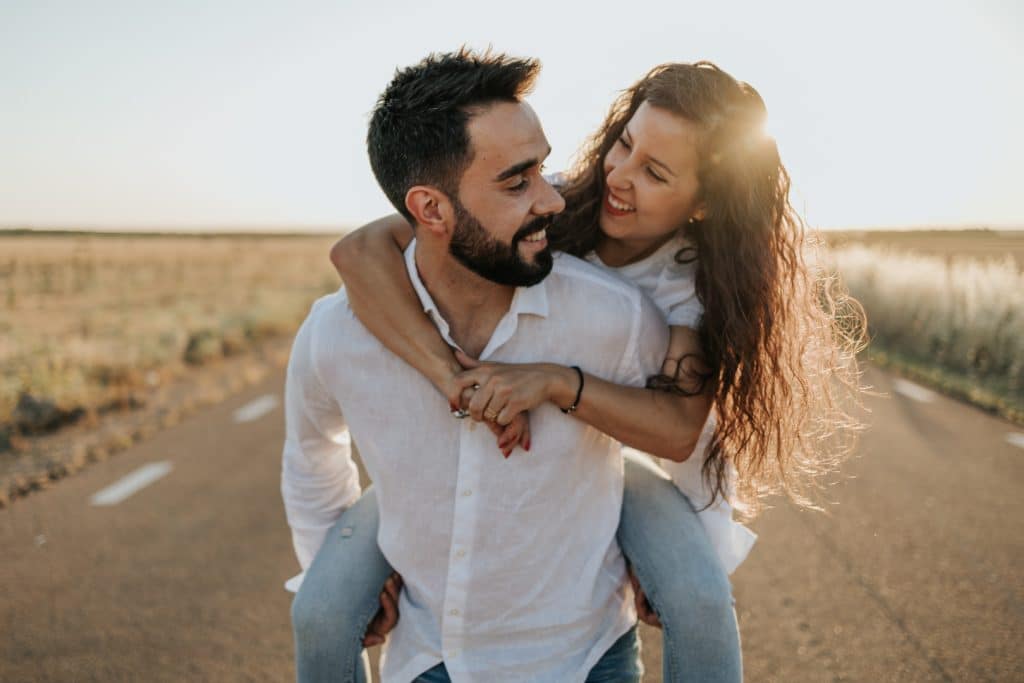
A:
520	186
655	175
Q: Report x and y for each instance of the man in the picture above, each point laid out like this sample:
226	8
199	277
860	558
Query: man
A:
510	566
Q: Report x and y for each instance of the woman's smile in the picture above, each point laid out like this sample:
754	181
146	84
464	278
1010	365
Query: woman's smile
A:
616	206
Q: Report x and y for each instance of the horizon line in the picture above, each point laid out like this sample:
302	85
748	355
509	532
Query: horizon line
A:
271	229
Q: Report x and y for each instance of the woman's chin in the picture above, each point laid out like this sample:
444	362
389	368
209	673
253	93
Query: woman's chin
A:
611	227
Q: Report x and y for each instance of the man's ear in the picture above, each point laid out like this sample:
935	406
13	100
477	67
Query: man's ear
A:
431	209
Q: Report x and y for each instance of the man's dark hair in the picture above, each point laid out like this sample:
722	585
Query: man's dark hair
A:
418	130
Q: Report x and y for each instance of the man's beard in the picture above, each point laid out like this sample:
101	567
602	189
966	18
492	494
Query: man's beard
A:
493	260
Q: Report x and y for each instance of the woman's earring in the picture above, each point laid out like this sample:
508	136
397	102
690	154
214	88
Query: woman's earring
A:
691	220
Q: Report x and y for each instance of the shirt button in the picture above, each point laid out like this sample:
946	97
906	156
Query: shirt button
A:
454	612
346	532
467	493
460	553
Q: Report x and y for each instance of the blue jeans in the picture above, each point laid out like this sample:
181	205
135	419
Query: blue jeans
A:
619	664
659	532
672	557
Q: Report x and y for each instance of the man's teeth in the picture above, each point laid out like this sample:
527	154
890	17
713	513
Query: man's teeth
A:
621	206
537	236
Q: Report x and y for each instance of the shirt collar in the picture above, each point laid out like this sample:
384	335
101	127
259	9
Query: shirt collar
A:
526	300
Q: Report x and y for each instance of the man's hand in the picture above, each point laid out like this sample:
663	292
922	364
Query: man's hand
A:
387	615
643	607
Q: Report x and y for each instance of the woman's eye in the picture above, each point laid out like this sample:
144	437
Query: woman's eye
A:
655	175
622	141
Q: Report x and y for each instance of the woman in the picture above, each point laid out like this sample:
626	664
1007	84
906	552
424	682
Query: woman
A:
681	192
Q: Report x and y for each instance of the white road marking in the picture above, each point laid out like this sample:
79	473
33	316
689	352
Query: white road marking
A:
128	485
256	409
913	391
1015	438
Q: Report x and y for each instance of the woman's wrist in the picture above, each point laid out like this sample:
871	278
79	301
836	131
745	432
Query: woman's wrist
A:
563	387
442	372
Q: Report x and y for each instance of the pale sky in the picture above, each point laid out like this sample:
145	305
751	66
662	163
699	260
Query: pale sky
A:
217	114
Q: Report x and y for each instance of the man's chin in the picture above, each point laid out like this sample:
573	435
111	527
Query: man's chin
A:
540	267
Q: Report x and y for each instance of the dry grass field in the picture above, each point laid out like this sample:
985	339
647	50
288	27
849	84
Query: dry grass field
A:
945	307
85	319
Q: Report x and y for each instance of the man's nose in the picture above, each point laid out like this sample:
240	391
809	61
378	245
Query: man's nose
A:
551	201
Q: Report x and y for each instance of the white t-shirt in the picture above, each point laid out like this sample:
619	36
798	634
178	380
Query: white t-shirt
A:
671	286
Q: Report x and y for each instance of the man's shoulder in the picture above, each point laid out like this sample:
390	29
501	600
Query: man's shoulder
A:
599	300
330	318
333	305
583	275
611	317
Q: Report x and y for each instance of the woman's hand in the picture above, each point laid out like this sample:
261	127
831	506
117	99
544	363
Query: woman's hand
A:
684	365
504	389
504	394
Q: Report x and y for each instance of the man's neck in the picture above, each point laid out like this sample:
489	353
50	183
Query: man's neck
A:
472	305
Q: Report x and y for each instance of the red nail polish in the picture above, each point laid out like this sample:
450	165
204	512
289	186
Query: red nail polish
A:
527	446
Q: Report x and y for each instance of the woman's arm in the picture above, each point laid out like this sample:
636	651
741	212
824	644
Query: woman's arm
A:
371	264
659	422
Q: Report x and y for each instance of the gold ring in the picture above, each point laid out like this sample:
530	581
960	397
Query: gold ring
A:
491	415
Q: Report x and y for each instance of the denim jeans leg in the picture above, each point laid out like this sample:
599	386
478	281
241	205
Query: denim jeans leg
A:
621	663
436	674
338	598
672	557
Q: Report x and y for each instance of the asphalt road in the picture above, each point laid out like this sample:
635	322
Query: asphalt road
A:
913	575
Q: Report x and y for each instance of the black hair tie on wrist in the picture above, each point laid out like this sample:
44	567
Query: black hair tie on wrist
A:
579	392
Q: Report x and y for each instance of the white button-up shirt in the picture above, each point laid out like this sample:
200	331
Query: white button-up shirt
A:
511	568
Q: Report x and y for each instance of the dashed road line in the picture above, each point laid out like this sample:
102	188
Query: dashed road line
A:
132	483
256	409
913	391
1015	438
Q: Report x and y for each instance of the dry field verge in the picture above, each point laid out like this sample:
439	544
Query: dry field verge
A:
945	308
96	327
95	324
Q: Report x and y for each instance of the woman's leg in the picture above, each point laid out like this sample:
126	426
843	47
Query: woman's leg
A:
339	596
679	571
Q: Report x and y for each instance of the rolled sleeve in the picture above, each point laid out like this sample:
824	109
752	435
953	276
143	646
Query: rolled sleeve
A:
686	314
318	477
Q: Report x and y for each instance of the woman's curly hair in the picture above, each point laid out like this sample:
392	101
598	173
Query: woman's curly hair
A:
779	334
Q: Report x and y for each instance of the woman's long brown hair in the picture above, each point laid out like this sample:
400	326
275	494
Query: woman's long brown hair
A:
779	334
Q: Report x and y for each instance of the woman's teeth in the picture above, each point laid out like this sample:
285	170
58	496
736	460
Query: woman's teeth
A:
619	205
538	236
